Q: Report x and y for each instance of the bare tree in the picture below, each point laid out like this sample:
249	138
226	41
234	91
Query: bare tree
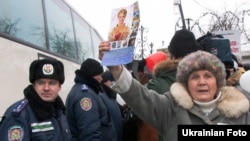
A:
228	20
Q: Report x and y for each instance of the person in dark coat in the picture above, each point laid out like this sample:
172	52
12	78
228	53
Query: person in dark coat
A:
40	115
87	113
109	98
182	43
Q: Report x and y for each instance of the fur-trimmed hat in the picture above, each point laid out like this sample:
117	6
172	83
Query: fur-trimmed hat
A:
46	68
182	43
201	60
91	67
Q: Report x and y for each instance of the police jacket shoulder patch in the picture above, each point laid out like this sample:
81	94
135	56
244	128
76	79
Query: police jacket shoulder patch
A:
84	87
22	104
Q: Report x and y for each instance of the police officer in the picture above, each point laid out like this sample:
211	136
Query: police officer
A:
40	115
88	115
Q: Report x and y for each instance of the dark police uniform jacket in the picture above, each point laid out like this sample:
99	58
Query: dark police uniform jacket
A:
21	124
88	117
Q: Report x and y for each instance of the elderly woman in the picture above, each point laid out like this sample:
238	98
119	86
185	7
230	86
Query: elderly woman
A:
198	97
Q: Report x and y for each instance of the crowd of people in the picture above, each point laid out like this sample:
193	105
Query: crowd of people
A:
190	87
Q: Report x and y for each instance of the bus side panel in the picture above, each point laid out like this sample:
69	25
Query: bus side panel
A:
14	71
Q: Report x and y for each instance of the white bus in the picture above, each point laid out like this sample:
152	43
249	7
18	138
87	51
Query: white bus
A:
34	29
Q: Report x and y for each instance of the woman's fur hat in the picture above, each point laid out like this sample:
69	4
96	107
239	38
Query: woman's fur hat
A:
201	60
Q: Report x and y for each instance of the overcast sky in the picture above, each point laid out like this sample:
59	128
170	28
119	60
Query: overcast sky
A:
159	16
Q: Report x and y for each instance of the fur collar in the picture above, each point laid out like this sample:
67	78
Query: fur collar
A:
232	102
164	66
235	77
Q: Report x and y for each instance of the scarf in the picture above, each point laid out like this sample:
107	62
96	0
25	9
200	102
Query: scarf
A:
42	109
88	80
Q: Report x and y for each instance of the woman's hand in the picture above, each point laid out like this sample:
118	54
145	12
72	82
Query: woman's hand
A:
115	70
103	47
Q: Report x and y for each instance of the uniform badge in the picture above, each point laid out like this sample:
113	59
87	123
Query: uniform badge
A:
48	69
42	127
15	133
86	104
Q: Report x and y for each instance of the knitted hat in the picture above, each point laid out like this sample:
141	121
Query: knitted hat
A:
182	43
46	68
91	67
201	60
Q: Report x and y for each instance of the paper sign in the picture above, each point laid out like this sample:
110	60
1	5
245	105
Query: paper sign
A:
124	25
